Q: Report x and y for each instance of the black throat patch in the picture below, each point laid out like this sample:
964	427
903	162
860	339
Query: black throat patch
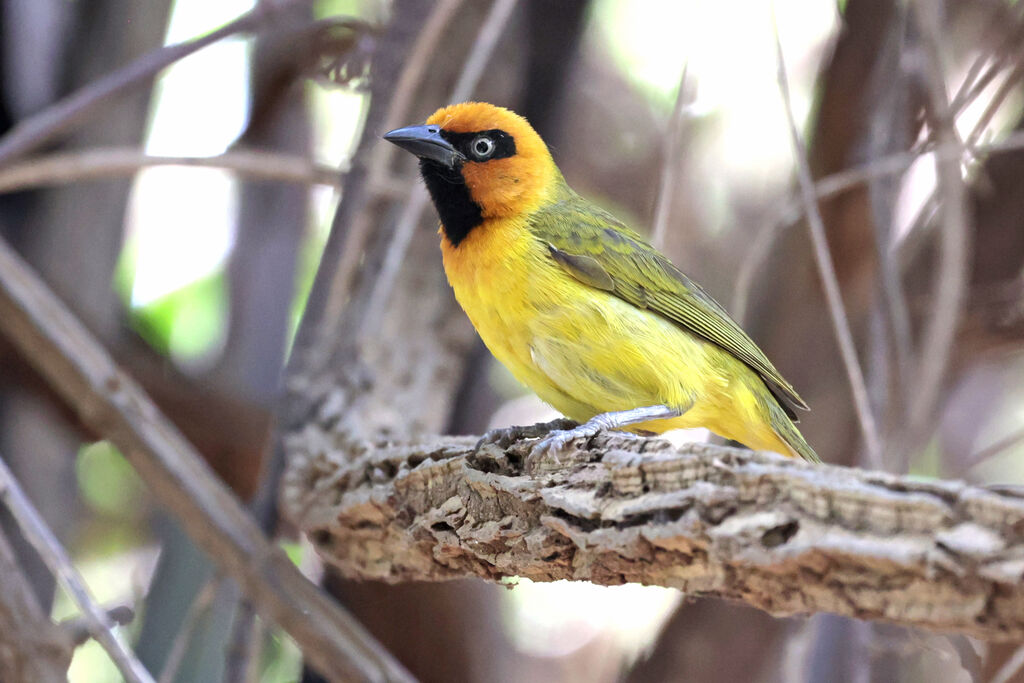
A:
455	206
458	212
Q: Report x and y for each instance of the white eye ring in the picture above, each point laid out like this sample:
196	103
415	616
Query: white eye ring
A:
482	147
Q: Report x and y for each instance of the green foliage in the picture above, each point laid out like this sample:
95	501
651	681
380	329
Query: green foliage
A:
108	484
189	323
333	8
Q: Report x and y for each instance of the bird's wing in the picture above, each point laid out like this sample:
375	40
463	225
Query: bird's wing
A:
598	250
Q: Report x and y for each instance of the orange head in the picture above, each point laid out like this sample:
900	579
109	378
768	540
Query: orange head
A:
479	162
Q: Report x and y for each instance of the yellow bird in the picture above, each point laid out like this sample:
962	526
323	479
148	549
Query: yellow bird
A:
580	308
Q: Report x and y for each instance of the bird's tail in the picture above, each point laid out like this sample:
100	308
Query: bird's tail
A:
790	435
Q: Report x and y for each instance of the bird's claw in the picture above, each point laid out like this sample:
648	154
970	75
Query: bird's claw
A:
558	439
503	437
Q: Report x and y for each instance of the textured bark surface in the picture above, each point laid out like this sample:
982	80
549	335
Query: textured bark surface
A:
781	535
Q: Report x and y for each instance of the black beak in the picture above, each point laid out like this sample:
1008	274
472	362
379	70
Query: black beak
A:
426	143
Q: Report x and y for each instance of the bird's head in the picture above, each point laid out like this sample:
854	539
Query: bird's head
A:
479	162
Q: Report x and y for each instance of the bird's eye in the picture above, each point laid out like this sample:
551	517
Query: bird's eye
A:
482	147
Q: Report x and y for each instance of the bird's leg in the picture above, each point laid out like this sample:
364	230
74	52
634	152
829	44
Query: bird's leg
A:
503	437
558	439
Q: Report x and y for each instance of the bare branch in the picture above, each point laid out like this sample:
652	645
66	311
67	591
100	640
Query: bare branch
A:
776	533
239	658
952	272
38	534
109	402
77	627
988	65
116	162
348	255
1009	84
479	55
32	648
199	607
837	183
1009	441
1008	670
826	269
58	117
670	165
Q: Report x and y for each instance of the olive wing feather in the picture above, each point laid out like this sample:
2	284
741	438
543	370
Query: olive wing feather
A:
598	250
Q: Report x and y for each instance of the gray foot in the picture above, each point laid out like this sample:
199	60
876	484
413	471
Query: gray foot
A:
506	436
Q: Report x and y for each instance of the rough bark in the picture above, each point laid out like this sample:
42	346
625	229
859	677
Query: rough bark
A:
271	221
781	535
365	388
51	51
109	402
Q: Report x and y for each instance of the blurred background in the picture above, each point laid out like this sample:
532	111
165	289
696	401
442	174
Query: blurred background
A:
195	274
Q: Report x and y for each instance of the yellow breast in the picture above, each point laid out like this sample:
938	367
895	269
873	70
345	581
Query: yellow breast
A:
493	272
585	351
582	350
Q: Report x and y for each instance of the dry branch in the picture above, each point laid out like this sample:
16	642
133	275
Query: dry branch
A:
111	404
32	648
58	117
56	558
829	279
779	534
951	274
118	162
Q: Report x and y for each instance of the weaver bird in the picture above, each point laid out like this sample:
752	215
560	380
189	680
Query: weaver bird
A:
580	308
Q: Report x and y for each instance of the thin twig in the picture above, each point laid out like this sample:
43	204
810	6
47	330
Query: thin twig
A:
115	162
341	258
30	643
107	401
240	647
62	115
395	78
840	182
486	41
669	164
1011	81
483	47
200	606
351	252
754	257
912	239
889	128
951	275
38	534
1009	441
1010	668
826	269
837	183
975	81
77	627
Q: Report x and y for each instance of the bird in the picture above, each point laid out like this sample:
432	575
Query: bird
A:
579	307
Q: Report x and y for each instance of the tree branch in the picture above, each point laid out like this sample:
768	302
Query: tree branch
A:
58	117
110	403
779	534
951	273
32	648
486	41
670	163
827	272
99	624
117	162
